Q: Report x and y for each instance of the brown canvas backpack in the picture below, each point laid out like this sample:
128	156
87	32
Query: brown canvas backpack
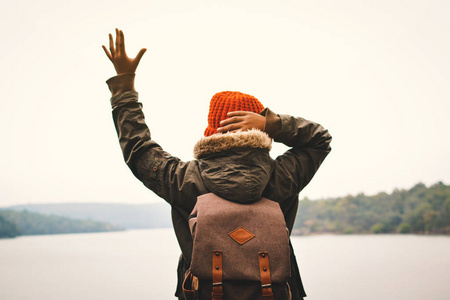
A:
240	251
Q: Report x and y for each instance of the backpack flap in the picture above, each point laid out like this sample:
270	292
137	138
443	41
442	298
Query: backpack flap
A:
241	232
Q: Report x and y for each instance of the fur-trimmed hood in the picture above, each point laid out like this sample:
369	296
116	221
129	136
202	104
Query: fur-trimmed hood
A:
235	166
242	139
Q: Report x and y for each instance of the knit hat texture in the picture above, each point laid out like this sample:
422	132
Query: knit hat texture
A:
225	102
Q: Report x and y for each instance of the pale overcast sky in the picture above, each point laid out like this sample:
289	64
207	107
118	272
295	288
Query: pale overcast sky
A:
375	73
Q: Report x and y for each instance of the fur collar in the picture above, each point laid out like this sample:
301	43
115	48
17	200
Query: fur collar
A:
225	141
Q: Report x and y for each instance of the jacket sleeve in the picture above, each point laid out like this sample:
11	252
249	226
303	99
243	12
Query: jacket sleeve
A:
310	144
161	172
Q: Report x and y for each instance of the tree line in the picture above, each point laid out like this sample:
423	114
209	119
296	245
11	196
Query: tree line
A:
15	223
420	209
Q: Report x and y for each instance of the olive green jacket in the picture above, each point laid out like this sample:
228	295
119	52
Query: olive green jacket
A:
236	167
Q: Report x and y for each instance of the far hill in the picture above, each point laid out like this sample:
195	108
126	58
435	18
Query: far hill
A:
128	216
14	223
421	209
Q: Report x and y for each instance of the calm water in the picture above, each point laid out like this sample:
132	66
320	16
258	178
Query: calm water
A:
141	264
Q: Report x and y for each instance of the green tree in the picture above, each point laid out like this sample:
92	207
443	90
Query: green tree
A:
420	209
29	223
7	229
377	228
404	228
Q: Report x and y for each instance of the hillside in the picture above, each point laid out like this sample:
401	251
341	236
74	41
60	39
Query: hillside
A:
128	216
7	228
14	223
420	209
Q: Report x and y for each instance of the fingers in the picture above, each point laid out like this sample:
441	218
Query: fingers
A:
119	47
242	120
231	121
107	53
122	42
139	55
235	122
238	113
117	41
122	63
111	45
232	124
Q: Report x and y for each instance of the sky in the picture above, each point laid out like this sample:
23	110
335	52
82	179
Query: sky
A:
374	73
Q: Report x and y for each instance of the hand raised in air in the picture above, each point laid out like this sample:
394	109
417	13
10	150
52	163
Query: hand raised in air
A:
122	63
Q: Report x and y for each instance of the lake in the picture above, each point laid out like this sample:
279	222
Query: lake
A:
141	264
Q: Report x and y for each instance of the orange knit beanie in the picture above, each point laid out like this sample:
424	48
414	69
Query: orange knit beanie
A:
225	102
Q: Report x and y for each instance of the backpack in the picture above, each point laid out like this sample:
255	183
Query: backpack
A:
240	251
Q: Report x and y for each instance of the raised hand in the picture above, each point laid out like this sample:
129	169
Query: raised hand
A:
122	63
242	120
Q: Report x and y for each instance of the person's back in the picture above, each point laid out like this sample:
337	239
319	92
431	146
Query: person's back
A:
232	160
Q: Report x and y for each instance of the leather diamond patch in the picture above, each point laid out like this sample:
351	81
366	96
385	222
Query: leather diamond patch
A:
241	235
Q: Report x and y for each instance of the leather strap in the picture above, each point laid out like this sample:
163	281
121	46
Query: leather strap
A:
188	294
217	275
266	282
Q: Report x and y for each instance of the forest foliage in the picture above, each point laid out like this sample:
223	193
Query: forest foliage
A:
420	209
15	223
125	215
7	228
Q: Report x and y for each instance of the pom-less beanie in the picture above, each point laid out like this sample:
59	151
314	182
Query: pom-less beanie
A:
225	102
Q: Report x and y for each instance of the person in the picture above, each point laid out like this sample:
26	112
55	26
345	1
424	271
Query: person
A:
232	160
